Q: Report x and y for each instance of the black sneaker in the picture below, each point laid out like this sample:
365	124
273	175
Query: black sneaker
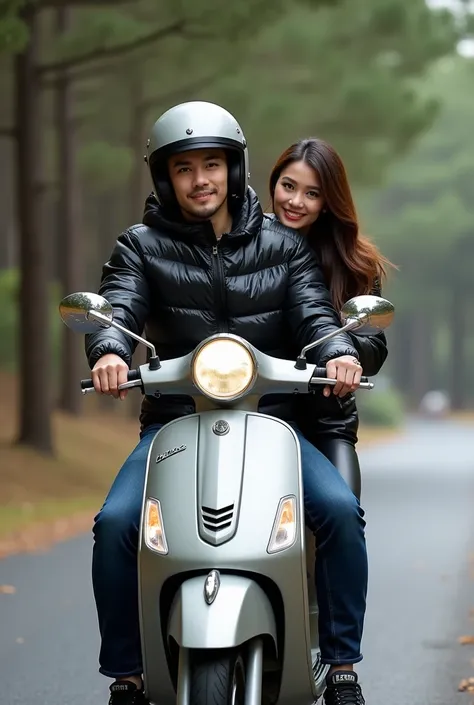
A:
126	693
343	689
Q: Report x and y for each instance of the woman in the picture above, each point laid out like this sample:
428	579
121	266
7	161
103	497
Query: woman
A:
310	193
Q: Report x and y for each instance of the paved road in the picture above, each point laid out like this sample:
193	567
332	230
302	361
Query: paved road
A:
419	499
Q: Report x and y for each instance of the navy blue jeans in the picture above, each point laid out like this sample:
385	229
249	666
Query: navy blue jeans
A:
332	512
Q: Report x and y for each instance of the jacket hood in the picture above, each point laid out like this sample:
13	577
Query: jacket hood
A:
246	223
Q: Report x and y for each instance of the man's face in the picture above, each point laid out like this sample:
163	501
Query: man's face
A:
199	180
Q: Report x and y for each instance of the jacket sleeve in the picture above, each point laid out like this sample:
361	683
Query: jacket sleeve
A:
309	309
372	349
124	285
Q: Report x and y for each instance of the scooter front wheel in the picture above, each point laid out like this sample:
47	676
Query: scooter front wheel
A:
217	677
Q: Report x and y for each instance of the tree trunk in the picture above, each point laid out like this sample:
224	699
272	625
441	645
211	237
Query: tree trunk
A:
34	325
69	231
8	247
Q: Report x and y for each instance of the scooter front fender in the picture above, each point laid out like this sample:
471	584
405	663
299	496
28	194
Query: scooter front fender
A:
240	611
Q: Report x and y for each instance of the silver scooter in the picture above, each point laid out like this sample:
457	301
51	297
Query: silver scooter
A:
228	611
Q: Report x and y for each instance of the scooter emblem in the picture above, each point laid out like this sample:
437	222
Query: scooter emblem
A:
221	427
211	586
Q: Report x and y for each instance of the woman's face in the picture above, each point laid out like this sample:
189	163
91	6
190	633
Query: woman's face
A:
298	200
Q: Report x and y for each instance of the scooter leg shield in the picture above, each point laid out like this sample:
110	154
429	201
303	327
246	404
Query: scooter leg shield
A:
240	611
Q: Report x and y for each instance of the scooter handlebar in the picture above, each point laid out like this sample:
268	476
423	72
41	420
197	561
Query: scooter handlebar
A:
87	385
322	372
319	378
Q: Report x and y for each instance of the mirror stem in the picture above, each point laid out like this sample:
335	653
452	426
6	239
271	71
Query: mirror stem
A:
153	360
352	324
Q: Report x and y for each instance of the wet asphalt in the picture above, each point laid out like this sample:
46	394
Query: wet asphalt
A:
418	493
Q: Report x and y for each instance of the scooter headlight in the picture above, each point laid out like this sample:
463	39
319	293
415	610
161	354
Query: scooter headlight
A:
153	527
285	527
224	369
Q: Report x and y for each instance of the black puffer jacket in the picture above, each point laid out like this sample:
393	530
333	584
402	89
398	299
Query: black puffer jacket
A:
175	281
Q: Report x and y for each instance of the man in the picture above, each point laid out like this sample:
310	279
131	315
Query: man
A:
205	261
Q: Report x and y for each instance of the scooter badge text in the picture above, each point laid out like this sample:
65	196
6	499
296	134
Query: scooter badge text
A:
169	453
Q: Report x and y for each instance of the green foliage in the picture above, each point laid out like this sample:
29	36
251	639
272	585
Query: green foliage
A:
423	218
105	166
186	39
101	27
424	214
345	73
381	408
9	282
342	70
8	317
13	32
146	24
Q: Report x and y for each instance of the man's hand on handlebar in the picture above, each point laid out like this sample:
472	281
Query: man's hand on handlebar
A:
108	373
348	371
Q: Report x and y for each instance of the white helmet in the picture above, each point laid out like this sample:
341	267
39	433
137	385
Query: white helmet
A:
197	125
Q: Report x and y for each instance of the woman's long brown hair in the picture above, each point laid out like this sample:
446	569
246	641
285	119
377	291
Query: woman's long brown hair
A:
351	263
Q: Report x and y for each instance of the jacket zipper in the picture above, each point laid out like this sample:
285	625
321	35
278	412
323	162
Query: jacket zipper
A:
219	288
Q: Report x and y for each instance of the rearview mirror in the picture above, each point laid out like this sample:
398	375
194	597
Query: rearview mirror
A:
370	314
84	312
75	309
362	315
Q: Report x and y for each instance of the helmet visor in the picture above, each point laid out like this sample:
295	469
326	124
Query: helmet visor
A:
193	143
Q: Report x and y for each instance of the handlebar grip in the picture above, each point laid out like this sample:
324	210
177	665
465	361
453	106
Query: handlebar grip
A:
321	372
132	376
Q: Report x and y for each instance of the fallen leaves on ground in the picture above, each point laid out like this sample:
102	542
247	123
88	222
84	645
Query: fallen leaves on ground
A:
466	640
466	685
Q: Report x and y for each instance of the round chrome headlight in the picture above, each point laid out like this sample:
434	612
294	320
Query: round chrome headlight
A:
224	368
